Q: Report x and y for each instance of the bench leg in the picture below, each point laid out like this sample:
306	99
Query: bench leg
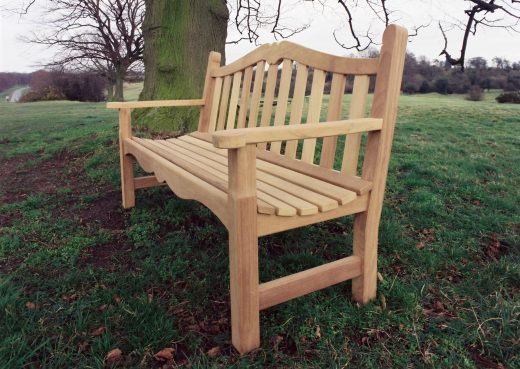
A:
244	280
364	287
127	169
127	181
243	250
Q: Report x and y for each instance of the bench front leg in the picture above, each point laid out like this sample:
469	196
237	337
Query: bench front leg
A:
243	249
127	169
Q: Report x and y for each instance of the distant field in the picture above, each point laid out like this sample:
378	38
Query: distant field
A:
79	276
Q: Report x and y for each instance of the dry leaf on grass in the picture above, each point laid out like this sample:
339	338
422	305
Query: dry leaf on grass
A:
213	352
98	332
30	305
113	357
166	354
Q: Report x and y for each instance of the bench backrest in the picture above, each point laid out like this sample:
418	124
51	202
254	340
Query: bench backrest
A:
268	87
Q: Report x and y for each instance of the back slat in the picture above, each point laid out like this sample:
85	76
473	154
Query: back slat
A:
257	94
337	89
244	99
297	106
358	105
313	116
214	105
281	101
224	103
268	98
233	102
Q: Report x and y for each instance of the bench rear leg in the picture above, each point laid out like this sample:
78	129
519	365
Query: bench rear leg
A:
364	287
127	169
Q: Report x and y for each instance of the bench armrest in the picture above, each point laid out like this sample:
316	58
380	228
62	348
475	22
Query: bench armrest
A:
154	104
235	138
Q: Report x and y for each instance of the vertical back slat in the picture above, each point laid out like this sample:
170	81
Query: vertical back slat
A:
281	101
297	106
313	116
224	103
233	102
257	94
214	104
358	105
244	98
270	86
337	89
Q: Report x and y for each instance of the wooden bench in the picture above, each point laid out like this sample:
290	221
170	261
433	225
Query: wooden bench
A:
261	176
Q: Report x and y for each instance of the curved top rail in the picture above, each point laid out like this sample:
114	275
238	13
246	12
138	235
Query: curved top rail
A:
275	52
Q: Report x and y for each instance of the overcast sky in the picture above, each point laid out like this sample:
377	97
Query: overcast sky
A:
16	55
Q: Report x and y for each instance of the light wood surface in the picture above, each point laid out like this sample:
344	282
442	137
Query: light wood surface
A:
257	94
358	105
299	284
274	53
243	250
127	170
254	192
337	90
210	93
154	104
233	100
310	131
377	157
313	116
297	106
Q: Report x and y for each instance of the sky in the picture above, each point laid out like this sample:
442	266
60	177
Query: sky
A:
18	56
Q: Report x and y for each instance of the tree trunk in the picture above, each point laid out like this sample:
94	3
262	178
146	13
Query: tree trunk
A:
178	38
110	90
119	82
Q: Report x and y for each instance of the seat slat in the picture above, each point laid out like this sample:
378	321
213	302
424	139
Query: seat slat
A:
339	194
358	105
297	106
324	203
313	116
233	101
223	103
337	89
281	101
213	175
244	98
214	105
257	94
303	207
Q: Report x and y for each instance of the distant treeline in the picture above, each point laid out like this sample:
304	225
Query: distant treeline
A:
420	76
60	85
423	76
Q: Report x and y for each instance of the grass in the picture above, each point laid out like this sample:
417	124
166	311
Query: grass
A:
72	262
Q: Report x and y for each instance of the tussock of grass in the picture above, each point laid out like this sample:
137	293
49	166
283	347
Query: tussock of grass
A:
156	276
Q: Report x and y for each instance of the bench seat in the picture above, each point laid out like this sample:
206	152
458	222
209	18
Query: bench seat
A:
281	191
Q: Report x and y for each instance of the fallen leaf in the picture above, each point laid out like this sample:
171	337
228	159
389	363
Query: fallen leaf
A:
98	332
102	308
164	355
113	357
116	299
380	277
213	352
383	301
438	306
30	305
318	331
420	245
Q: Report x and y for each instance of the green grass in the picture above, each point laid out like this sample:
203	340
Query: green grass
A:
156	276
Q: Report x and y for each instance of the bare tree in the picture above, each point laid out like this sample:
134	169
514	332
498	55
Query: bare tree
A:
101	35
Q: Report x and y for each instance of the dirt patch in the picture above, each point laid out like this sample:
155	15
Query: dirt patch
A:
73	197
20	180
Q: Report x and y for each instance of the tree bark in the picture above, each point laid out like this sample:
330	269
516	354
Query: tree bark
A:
119	84
178	38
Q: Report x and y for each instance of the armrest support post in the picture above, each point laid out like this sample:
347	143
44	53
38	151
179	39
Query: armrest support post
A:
243	249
